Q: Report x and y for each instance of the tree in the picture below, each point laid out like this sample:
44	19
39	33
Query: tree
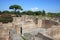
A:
43	12
37	13
23	13
15	8
29	12
5	11
0	12
49	14
58	14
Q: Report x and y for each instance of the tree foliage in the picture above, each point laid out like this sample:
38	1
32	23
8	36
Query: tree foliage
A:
15	7
0	12
5	11
43	13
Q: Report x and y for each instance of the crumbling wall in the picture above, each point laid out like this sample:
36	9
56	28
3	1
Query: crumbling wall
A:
26	22
4	33
54	32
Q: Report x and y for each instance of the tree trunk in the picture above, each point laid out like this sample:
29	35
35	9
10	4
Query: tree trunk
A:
16	13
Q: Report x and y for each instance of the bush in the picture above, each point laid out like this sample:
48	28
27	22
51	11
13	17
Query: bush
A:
5	18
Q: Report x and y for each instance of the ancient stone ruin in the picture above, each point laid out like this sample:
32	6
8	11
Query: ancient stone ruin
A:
29	24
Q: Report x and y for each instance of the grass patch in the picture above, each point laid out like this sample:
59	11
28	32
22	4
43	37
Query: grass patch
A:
23	38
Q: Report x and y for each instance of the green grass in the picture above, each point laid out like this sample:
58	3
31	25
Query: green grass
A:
23	38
